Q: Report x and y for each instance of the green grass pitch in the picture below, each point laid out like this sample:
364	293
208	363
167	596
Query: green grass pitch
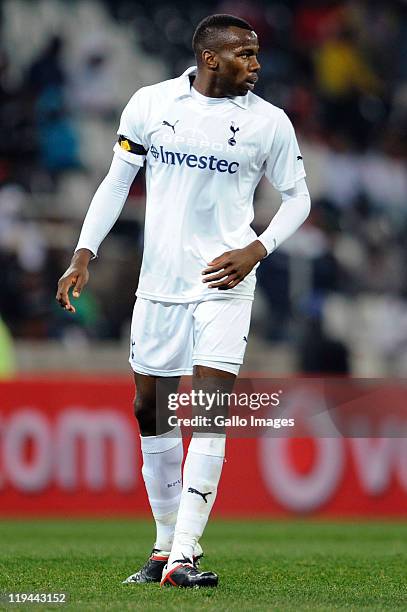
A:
262	565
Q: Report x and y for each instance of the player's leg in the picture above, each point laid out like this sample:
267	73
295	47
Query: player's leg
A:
203	464
221	335
161	444
202	471
162	453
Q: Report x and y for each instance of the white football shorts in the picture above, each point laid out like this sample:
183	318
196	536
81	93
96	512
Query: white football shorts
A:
169	339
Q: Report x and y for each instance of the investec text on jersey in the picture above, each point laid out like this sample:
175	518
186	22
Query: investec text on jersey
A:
193	161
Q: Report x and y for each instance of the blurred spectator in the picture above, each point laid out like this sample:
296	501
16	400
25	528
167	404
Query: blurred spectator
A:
22	238
18	145
57	136
7	357
94	81
320	354
343	79
46	70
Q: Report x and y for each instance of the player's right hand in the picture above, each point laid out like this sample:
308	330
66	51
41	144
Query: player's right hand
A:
76	276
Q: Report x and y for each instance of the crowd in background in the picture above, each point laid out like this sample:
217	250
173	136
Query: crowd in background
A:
339	70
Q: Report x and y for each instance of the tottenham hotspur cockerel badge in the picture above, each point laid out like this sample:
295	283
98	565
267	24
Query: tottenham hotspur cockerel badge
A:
232	139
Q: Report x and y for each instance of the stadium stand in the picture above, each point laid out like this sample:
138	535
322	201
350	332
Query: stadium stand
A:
338	69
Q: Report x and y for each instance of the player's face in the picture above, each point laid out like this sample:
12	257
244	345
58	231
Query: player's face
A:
237	62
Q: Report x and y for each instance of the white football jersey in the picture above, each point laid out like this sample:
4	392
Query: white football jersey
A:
204	158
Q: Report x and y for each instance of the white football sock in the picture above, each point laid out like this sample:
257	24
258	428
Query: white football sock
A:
202	470
162	459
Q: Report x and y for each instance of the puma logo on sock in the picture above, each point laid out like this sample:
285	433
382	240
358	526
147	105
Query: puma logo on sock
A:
203	495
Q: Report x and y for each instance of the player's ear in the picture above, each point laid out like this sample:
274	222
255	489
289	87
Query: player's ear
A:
209	59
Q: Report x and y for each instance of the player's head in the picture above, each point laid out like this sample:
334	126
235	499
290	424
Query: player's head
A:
227	46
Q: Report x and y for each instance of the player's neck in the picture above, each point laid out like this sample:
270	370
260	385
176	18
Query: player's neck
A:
207	86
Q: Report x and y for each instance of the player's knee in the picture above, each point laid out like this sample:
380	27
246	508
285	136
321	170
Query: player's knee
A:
144	411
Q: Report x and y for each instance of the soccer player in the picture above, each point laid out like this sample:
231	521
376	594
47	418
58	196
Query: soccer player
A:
206	140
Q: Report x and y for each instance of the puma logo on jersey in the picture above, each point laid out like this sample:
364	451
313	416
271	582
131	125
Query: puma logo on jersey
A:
232	139
299	157
170	125
203	495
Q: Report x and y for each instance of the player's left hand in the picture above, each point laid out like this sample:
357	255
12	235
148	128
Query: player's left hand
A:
230	268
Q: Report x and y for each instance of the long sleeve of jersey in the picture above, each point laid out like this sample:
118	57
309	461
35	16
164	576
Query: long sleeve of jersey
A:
294	209
107	204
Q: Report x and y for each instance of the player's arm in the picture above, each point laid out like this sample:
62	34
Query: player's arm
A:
104	209
285	170
295	208
230	268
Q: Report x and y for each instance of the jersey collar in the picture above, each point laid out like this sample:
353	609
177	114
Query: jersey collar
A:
184	89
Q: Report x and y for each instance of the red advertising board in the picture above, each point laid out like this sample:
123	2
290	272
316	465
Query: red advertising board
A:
70	447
